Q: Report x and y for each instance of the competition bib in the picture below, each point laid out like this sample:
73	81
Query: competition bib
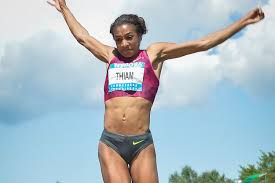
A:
127	76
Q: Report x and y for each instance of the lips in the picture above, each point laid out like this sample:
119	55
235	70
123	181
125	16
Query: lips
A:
128	51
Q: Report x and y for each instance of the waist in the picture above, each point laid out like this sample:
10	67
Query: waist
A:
129	131
127	115
148	95
111	134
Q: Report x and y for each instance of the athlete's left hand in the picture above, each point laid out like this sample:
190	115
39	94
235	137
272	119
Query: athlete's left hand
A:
254	16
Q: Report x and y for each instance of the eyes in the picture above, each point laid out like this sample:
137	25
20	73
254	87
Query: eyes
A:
127	38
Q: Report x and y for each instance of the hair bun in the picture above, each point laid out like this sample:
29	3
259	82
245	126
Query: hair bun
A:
133	19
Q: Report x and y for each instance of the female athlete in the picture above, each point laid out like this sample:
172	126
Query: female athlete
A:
126	150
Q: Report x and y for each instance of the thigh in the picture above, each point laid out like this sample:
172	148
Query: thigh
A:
144	166
113	168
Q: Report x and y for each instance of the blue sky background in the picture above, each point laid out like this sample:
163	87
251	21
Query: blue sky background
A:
214	110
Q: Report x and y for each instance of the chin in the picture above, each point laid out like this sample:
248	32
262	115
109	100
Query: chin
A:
128	54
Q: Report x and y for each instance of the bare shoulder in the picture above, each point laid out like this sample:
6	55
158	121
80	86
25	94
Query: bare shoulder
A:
155	51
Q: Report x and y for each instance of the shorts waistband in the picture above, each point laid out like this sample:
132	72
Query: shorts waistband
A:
121	135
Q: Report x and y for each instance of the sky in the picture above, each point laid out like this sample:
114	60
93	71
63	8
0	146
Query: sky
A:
213	110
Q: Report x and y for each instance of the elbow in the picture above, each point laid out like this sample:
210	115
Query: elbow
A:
80	38
205	45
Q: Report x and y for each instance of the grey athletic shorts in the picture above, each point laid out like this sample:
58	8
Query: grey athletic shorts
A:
128	147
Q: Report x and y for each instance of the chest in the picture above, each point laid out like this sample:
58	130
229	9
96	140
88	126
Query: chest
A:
126	76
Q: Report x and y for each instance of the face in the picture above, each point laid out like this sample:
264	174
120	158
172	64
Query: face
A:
127	40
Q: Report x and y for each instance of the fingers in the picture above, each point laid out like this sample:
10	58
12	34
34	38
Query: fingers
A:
260	10
51	3
258	13
261	13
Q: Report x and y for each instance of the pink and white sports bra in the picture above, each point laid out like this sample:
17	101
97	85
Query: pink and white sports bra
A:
131	78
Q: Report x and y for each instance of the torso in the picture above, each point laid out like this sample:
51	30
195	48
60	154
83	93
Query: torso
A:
130	115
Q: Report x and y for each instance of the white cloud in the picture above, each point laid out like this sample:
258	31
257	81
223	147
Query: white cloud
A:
45	74
179	20
249	61
21	19
43	70
186	81
40	70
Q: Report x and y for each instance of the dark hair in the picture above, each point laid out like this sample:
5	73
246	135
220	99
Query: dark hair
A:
137	21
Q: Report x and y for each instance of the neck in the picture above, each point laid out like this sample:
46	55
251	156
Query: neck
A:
128	58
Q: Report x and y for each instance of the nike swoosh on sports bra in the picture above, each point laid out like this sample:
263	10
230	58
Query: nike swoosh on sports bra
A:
131	78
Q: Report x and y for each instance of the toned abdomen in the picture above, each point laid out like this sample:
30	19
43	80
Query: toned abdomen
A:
127	115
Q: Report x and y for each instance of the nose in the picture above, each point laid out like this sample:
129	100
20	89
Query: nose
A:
124	43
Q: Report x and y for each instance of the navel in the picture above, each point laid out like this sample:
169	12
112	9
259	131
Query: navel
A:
124	118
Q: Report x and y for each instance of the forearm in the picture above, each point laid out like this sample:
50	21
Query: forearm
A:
219	37
75	27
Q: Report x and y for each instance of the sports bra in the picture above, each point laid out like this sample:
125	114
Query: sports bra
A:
131	78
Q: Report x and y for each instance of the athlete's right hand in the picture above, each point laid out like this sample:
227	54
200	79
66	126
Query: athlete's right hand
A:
57	4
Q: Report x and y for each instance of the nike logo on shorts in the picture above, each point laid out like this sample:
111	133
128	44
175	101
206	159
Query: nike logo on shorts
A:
137	142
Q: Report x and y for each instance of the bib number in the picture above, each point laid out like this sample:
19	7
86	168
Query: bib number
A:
127	76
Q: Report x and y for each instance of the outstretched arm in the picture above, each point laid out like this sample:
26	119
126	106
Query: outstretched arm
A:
165	51
99	50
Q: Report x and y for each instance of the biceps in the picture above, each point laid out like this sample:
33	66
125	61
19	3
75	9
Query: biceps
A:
171	51
99	50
